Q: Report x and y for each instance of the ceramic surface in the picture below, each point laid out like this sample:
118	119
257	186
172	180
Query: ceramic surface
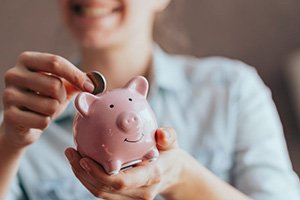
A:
116	128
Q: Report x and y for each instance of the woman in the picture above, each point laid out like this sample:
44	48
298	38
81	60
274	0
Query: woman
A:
230	141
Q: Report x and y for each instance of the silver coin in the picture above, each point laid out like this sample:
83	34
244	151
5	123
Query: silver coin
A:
98	80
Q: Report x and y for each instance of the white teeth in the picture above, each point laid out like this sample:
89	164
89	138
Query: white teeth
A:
96	12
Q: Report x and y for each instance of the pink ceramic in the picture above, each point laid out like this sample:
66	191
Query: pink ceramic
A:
116	128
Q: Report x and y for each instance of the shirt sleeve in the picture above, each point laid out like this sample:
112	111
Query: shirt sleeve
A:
15	192
262	167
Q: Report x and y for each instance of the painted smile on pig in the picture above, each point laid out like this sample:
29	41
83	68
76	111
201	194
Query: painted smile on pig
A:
134	141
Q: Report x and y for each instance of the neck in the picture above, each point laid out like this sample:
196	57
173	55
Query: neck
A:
119	64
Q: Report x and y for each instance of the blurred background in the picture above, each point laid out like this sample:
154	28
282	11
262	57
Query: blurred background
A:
264	34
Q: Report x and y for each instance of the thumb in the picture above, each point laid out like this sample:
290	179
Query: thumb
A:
165	139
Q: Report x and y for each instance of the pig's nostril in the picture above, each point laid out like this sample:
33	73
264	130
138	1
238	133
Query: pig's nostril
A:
128	121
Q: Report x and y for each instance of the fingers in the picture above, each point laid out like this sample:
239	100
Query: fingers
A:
29	101
165	139
42	62
94	186
23	120
35	93
143	176
46	85
17	110
140	182
135	185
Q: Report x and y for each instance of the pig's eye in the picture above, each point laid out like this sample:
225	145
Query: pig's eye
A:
130	99
111	105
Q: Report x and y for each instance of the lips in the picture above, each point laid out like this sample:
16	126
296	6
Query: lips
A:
94	8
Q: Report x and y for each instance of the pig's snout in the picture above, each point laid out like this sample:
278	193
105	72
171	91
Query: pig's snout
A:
128	121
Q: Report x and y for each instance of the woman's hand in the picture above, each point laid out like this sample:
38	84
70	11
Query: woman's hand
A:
37	90
144	181
174	175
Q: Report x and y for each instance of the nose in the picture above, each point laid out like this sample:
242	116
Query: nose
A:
128	122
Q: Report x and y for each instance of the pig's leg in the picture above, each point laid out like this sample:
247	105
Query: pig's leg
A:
152	155
113	167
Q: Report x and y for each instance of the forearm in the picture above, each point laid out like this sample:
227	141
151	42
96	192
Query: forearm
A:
9	163
199	183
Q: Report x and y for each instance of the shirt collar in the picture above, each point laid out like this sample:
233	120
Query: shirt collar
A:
168	72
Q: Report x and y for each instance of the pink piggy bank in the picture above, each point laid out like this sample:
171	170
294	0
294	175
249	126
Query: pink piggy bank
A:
116	128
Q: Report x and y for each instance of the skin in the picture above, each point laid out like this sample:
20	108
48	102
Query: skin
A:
127	38
37	89
187	180
40	85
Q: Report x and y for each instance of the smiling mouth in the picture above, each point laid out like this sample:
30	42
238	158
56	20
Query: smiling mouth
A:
134	141
86	11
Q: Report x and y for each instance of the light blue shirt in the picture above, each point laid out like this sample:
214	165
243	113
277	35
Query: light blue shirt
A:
223	114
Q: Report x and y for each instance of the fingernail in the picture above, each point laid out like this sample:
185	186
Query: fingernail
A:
88	85
85	165
69	155
169	136
166	132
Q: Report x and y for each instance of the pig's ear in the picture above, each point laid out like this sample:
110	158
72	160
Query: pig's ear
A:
83	102
138	84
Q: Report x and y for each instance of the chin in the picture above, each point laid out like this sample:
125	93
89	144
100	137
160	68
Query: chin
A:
94	22
95	42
